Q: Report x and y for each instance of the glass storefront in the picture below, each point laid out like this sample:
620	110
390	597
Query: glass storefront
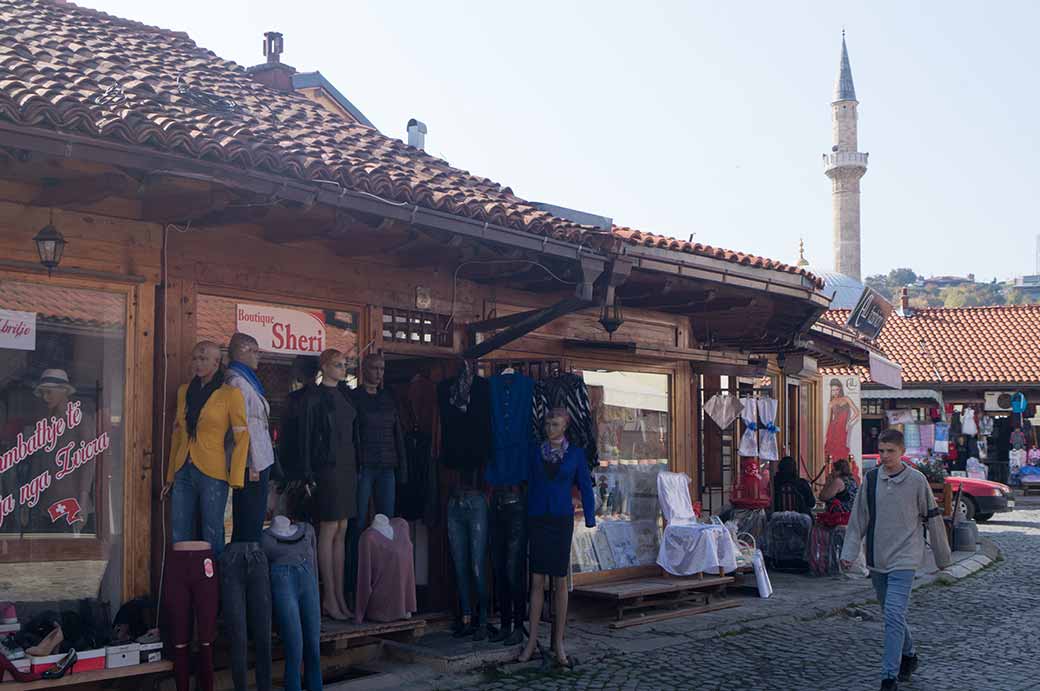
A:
633	424
62	386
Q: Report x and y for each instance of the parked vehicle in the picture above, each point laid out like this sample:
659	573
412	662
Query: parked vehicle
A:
980	499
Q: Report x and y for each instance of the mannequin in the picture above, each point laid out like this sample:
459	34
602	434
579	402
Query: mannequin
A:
290	550
244	575
382	524
197	478
197	481
386	572
381	452
553	470
328	442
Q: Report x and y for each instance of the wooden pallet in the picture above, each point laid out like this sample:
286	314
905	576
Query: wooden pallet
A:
691	594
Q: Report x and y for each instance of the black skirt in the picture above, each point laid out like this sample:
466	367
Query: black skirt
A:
336	498
550	544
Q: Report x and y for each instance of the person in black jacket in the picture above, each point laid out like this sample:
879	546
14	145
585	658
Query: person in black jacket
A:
790	492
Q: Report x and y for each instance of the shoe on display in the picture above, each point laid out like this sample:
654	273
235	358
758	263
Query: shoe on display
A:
151	637
907	667
64	665
49	644
8	614
889	685
10	649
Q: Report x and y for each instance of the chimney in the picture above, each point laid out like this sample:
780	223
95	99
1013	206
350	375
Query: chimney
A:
904	302
971	278
273	73
417	134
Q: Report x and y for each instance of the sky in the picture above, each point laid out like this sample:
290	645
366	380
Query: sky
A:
701	118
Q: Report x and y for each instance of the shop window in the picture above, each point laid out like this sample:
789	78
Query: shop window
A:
633	424
413	326
62	424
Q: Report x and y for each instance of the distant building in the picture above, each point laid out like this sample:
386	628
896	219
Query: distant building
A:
945	281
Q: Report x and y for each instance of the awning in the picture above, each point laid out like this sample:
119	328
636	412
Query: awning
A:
885	372
901	394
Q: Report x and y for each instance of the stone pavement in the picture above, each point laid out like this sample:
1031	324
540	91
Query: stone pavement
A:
977	633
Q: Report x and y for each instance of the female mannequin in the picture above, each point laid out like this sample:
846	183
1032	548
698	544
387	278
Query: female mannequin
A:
328	441
554	468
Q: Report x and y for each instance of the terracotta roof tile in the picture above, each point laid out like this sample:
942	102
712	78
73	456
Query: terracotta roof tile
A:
81	71
976	345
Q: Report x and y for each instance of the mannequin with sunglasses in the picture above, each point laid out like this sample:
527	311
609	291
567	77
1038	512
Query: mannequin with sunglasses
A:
328	442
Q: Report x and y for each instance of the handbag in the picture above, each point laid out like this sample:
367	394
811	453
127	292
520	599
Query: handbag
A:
834	516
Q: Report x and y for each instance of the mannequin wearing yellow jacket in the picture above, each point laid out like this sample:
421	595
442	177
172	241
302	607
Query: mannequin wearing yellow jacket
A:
198	474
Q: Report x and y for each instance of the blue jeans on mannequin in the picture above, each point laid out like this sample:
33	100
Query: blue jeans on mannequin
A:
297	612
893	591
468	537
196	493
374	483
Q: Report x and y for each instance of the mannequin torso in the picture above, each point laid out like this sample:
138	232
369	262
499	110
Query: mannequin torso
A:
382	524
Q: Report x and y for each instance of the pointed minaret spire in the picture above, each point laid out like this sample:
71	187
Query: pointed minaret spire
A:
844	90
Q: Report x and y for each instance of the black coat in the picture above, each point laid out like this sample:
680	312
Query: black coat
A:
310	416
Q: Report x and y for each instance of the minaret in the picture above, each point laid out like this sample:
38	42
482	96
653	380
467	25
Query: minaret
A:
845	166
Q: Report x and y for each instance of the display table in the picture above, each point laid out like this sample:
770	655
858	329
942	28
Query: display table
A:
656	592
102	675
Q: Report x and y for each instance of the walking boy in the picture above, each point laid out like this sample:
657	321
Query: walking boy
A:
889	512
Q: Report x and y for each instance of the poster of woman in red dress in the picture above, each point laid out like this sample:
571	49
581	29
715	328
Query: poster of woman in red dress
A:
842	418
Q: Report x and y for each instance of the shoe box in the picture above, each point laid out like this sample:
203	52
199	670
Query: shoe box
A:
89	660
123	655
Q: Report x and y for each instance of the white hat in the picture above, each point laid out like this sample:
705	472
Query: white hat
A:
54	379
283	527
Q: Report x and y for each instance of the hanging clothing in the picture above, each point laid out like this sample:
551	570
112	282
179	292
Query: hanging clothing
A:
568	391
968	425
465	434
986	426
380	441
386	575
512	400
724	409
749	441
417	411
767	446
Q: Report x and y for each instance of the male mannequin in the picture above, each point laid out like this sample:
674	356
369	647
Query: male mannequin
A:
198	480
328	445
244	577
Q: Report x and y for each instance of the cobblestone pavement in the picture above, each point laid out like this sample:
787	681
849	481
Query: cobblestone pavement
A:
978	634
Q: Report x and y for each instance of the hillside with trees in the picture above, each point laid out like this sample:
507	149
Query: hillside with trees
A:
945	291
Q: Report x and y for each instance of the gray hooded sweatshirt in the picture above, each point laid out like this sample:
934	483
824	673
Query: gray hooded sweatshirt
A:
896	542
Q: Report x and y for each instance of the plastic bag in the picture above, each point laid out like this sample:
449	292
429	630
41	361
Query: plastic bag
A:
765	586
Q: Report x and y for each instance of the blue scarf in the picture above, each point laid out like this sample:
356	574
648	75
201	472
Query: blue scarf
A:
250	376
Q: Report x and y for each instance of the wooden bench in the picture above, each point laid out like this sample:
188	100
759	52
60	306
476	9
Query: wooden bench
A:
683	596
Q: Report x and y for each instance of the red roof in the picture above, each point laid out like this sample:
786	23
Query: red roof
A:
65	305
970	345
77	70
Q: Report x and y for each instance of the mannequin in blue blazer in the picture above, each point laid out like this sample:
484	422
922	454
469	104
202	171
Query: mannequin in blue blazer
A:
553	470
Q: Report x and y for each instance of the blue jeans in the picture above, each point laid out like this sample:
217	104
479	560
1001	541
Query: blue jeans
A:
196	493
380	483
294	594
893	591
468	537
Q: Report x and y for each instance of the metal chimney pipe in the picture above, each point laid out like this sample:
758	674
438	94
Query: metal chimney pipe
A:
417	134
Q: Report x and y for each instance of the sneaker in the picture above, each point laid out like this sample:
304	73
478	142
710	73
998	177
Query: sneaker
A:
889	685
907	667
8	615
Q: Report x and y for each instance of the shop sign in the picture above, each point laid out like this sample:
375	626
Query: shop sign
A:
870	314
17	330
282	330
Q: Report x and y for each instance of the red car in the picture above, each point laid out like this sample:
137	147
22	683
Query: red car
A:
980	499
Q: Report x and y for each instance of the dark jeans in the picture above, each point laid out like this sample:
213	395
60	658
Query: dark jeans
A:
191	591
508	526
193	493
246	596
374	482
294	588
468	536
249	508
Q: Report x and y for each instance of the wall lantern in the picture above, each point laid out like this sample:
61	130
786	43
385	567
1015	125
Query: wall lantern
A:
611	318
50	244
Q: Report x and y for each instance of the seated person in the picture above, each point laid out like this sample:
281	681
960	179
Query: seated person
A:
790	492
840	485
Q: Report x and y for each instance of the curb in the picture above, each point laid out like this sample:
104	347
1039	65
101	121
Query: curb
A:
987	554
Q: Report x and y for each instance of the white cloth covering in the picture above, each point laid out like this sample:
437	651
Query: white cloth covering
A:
723	409
968	425
689	547
749	440
767	447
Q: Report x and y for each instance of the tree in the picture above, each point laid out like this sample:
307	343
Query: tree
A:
897	278
879	283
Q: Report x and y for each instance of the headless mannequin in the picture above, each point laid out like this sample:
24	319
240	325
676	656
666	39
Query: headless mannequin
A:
555	431
332	535
382	524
